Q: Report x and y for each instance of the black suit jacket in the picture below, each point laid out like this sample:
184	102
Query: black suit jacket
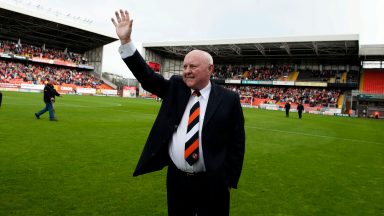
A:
223	136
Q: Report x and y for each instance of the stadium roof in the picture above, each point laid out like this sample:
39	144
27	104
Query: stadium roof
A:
327	47
372	52
31	27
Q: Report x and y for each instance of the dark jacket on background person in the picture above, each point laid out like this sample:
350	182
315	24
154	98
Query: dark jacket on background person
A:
287	107
50	93
300	109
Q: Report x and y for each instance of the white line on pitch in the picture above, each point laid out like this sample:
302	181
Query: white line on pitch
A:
314	135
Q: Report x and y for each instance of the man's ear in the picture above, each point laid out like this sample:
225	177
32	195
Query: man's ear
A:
211	68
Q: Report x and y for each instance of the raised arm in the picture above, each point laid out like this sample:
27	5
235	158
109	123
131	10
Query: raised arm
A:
149	80
123	26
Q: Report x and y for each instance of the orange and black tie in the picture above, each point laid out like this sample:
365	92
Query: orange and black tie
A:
191	152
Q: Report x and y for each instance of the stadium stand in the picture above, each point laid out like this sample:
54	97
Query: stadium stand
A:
325	72
293	76
28	50
32	73
372	82
51	47
252	72
310	97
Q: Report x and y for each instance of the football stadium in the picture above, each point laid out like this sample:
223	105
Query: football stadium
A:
329	162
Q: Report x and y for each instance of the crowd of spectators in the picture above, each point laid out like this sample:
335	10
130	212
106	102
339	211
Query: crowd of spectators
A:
317	75
273	72
13	72
251	72
28	50
312	96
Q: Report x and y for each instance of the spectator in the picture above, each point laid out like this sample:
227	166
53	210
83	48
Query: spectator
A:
49	99
300	109
287	108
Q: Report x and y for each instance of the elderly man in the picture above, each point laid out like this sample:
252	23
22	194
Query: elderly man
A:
198	133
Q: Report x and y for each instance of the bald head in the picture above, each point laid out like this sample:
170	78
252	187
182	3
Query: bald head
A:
197	69
204	56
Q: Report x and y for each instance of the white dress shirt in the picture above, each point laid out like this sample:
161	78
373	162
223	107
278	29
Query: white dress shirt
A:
179	138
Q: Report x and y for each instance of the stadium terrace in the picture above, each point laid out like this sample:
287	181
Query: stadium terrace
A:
329	74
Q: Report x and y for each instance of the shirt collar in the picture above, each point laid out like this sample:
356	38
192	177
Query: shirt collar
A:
204	91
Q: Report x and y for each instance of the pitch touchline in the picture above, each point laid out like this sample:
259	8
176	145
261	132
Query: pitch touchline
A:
315	135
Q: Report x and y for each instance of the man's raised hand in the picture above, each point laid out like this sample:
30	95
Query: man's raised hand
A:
123	26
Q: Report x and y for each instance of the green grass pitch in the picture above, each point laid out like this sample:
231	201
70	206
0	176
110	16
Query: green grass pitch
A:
83	164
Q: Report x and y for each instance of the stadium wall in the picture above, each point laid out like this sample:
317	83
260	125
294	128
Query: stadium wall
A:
95	58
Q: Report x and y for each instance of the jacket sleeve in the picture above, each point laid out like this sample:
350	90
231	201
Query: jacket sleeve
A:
55	92
235	156
150	81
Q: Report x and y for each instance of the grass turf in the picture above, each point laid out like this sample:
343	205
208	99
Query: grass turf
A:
83	164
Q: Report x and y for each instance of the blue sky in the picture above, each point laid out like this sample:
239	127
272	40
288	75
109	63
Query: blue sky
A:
183	20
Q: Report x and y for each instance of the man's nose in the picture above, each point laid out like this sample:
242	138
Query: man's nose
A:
187	70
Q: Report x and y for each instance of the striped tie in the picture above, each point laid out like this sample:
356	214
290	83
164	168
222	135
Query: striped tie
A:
191	152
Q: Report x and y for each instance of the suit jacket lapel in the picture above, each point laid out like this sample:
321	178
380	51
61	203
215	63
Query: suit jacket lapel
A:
183	96
213	102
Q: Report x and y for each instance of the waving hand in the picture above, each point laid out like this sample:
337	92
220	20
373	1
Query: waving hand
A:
123	26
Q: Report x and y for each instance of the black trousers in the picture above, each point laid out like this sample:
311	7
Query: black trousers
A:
300	114
199	194
1	98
